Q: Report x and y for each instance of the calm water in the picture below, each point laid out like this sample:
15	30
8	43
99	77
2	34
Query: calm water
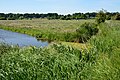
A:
14	38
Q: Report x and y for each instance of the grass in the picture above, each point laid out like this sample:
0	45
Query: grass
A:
107	44
59	30
58	62
59	26
76	45
98	61
46	25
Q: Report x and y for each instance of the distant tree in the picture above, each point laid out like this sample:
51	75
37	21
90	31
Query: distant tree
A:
117	16
62	17
108	17
83	16
87	15
11	16
101	16
21	17
76	16
2	18
68	17
93	14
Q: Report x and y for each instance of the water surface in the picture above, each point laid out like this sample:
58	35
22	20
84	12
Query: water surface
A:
13	38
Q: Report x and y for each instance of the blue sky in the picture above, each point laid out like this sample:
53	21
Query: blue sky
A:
58	6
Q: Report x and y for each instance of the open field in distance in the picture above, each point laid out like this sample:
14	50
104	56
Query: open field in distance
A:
59	26
60	30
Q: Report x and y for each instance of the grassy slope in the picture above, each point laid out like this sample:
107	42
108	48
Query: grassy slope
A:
107	44
99	62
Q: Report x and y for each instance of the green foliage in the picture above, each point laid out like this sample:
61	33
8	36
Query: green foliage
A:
3	48
101	16
69	37
52	16
57	63
63	30
107	43
85	31
108	17
117	17
3	18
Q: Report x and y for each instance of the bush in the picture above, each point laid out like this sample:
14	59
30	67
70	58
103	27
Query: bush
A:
117	17
85	31
101	16
108	17
3	18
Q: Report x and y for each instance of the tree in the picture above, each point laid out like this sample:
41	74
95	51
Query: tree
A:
108	17
2	18
101	16
117	16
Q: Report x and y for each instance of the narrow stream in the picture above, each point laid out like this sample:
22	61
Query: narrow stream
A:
13	38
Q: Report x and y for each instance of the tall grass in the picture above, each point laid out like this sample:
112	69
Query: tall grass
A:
107	43
55	63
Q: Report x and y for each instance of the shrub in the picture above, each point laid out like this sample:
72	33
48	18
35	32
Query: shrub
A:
108	17
69	37
117	17
101	16
3	18
85	31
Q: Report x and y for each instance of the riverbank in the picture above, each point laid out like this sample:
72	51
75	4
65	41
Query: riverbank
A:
59	30
99	62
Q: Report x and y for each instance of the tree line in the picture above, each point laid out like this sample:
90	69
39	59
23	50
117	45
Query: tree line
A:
75	16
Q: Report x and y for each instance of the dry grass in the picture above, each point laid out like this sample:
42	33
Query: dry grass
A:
46	25
76	45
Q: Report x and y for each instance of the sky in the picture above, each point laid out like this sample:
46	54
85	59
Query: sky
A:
58	6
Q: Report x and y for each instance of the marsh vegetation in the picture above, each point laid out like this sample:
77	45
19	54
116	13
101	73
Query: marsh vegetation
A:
98	60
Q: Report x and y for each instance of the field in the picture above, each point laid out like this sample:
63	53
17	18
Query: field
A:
97	59
43	28
59	26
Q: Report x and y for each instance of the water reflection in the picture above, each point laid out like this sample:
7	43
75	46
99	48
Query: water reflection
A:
14	38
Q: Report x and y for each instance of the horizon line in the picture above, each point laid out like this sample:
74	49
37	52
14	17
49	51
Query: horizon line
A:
56	12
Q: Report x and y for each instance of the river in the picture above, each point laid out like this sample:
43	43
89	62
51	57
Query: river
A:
13	38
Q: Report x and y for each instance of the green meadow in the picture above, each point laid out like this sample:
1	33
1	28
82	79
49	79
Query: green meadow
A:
59	30
65	58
